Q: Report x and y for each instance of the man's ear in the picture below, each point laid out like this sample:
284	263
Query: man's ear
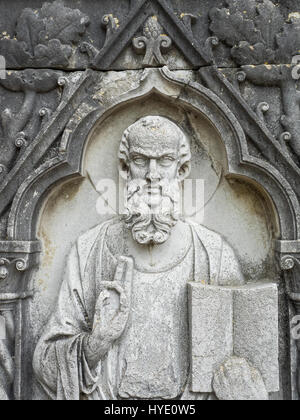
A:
184	171
123	170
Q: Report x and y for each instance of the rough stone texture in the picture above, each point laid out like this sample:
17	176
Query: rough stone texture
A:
237	380
255	323
211	336
63	111
242	322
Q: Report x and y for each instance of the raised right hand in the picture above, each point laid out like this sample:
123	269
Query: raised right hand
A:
111	312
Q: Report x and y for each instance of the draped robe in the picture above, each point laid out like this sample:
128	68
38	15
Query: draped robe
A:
59	360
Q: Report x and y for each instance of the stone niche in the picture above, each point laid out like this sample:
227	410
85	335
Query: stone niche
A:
234	207
223	74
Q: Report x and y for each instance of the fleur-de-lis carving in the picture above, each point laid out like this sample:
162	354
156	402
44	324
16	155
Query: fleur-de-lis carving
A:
153	43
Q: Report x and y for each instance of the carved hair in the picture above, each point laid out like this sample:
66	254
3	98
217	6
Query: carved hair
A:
146	124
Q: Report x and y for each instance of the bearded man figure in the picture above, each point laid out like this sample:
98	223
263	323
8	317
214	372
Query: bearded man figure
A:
120	328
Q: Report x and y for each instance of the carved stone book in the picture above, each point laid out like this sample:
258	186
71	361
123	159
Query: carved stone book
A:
239	321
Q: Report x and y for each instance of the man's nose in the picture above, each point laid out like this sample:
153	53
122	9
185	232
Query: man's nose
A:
153	174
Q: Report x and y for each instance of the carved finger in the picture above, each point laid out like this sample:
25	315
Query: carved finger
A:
127	279
119	271
103	296
128	262
117	287
124	306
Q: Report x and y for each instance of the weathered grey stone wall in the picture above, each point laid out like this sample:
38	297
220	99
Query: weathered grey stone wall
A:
78	73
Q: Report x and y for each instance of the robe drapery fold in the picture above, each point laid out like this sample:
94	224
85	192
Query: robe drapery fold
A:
59	361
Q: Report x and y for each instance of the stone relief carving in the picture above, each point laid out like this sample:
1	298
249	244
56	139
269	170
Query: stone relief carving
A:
282	76
256	32
241	51
249	28
45	37
153	42
260	38
111	25
189	20
97	348
15	260
48	130
20	264
66	139
289	261
14	125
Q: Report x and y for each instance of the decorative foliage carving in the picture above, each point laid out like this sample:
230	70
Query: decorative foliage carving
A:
210	44
45	114
258	34
189	20
45	37
30	82
73	90
282	76
288	40
153	43
262	108
256	31
111	24
250	28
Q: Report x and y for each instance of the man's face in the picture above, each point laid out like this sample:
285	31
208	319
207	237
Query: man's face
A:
154	159
153	182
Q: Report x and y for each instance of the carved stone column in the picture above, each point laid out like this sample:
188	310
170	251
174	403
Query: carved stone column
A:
289	254
17	259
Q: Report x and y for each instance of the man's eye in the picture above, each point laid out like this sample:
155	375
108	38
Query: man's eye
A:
167	160
139	161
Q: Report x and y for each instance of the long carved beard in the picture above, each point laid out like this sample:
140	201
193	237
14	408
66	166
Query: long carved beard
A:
152	217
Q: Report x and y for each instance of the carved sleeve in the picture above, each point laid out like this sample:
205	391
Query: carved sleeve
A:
59	362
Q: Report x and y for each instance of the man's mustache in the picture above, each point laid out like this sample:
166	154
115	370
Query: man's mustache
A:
166	188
